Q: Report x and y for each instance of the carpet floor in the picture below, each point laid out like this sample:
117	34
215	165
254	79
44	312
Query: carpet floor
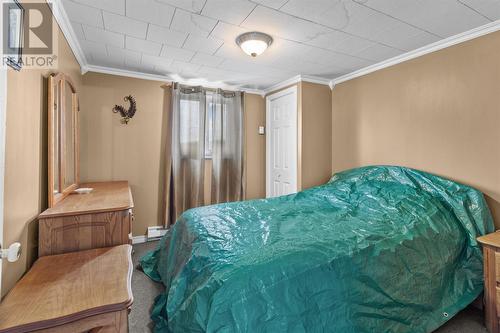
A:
469	320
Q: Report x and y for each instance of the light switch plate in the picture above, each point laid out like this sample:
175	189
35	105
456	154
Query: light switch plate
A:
262	130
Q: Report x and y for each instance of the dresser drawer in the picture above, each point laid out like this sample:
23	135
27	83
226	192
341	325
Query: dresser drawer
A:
65	234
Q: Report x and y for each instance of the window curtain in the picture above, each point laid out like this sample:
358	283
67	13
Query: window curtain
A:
206	132
188	144
227	147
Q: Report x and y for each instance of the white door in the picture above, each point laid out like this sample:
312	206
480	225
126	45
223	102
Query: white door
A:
281	143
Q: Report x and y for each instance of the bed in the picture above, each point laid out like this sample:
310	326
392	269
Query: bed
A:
376	249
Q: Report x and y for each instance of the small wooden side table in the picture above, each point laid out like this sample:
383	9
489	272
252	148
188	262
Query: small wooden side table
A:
491	255
87	291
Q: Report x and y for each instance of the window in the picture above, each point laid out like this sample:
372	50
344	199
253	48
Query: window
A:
190	131
189	126
209	129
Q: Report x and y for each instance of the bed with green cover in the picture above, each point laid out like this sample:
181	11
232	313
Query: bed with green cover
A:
376	249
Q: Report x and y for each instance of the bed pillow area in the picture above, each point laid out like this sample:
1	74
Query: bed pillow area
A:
376	249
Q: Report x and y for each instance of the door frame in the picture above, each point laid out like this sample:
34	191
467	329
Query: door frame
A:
3	118
294	91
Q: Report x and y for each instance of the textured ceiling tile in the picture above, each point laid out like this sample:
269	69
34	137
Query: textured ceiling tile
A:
78	29
159	62
378	52
217	74
279	24
83	14
115	6
166	36
206	45
231	51
103	36
403	36
329	39
283	49
125	25
141	45
276	4
182	67
93	46
150	11
364	22
231	11
93	49
127	57
192	23
176	53
444	17
332	13
248	66
353	45
194	6
489	8
341	61
104	61
227	32
207	60
413	42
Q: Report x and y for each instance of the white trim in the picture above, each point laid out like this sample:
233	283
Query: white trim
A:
3	128
139	239
127	73
297	79
292	90
439	45
67	29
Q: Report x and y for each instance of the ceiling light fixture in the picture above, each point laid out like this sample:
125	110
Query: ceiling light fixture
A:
254	43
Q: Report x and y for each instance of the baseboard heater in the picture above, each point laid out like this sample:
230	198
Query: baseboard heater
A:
156	232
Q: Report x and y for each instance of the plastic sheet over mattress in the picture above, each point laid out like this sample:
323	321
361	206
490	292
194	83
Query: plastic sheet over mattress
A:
376	249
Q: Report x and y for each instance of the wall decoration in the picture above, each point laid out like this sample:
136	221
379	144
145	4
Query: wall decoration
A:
126	114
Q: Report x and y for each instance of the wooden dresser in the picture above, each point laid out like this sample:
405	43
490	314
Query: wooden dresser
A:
87	291
102	218
491	257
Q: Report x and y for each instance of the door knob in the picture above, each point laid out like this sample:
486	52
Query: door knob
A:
12	253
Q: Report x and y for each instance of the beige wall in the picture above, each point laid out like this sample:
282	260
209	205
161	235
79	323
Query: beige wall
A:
316	105
111	150
26	158
255	146
438	113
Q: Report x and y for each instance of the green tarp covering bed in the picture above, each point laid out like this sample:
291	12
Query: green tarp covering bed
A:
376	249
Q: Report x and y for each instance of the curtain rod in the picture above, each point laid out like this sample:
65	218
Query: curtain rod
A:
186	89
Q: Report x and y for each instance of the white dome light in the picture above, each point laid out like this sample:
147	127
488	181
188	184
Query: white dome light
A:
254	43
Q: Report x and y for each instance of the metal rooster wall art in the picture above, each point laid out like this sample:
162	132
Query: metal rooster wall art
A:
126	114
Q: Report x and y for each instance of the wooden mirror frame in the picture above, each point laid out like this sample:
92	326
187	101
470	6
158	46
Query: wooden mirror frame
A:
56	89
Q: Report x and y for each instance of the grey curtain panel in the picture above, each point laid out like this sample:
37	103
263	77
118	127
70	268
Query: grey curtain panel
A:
205	161
227	146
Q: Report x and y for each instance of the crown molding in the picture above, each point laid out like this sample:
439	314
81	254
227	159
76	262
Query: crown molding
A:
66	28
439	45
297	79
167	79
